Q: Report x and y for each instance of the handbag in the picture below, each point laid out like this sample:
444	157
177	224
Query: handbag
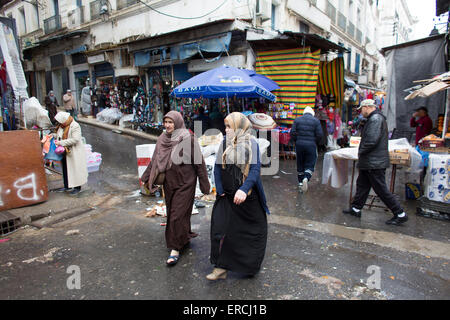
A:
160	178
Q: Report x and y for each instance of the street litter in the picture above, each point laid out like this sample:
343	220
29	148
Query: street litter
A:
72	232
195	211
285	172
45	258
134	194
162	224
208	197
160	209
3	240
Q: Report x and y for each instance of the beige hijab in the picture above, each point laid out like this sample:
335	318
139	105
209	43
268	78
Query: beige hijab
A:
238	149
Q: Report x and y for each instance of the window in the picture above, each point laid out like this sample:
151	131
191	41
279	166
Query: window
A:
56	7
36	13
357	62
23	21
349	59
304	28
374	72
350	10
125	58
57	61
273	16
79	58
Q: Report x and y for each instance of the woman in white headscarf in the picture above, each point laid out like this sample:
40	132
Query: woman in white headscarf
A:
74	164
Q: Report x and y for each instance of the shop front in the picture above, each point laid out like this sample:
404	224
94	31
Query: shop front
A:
308	76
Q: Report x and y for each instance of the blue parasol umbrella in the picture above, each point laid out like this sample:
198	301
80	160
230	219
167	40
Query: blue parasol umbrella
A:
267	83
222	82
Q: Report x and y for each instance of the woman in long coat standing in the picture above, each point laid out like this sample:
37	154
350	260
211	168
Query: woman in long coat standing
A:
177	156
239	221
74	164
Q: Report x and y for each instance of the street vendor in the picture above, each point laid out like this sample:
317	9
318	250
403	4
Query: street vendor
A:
422	122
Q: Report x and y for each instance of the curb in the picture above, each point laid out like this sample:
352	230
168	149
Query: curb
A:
114	127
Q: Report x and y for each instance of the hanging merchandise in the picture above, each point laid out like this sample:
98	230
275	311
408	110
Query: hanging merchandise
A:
295	71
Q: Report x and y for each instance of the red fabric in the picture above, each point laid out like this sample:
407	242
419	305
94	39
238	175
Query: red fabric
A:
423	127
3	73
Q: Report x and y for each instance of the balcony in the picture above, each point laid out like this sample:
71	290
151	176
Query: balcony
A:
331	12
359	36
75	17
52	24
122	4
342	21
351	29
95	8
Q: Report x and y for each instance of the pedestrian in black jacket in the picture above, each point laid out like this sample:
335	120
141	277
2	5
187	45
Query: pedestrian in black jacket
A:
306	131
373	159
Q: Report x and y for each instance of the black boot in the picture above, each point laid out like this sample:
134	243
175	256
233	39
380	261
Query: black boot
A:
352	212
396	220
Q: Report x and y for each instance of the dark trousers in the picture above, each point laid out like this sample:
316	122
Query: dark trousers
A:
64	170
306	160
375	179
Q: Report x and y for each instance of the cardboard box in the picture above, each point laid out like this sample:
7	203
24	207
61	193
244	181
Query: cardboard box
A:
354	142
400	157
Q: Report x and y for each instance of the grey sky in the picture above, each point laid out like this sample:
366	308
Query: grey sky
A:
424	11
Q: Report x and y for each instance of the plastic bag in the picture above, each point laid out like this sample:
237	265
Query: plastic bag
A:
109	115
35	114
52	155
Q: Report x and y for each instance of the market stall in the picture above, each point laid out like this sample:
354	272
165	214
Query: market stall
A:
435	150
337	163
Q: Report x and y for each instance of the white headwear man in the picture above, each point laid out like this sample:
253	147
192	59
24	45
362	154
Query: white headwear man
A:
309	110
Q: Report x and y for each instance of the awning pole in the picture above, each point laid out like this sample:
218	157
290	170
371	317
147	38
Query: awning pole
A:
228	105
444	130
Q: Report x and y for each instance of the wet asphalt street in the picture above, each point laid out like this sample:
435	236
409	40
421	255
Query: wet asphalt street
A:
313	250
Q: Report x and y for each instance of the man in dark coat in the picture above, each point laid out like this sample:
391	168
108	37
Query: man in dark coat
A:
306	132
422	122
205	120
373	159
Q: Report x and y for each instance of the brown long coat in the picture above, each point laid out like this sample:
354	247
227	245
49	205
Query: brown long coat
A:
179	188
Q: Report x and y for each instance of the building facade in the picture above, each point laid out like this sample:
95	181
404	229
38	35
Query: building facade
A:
67	42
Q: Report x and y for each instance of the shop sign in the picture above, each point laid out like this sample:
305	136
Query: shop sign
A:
96	59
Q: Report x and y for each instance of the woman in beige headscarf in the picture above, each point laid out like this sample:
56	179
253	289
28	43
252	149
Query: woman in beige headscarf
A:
177	162
238	222
74	164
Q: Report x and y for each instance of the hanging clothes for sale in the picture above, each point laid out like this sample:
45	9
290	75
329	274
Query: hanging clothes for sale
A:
295	71
331	80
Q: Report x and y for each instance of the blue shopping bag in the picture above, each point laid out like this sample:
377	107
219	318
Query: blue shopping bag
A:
51	155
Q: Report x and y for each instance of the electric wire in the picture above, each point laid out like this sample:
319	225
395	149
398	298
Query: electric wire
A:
177	17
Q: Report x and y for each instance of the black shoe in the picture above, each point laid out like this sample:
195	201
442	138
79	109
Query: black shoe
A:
396	221
63	190
75	191
199	204
352	212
